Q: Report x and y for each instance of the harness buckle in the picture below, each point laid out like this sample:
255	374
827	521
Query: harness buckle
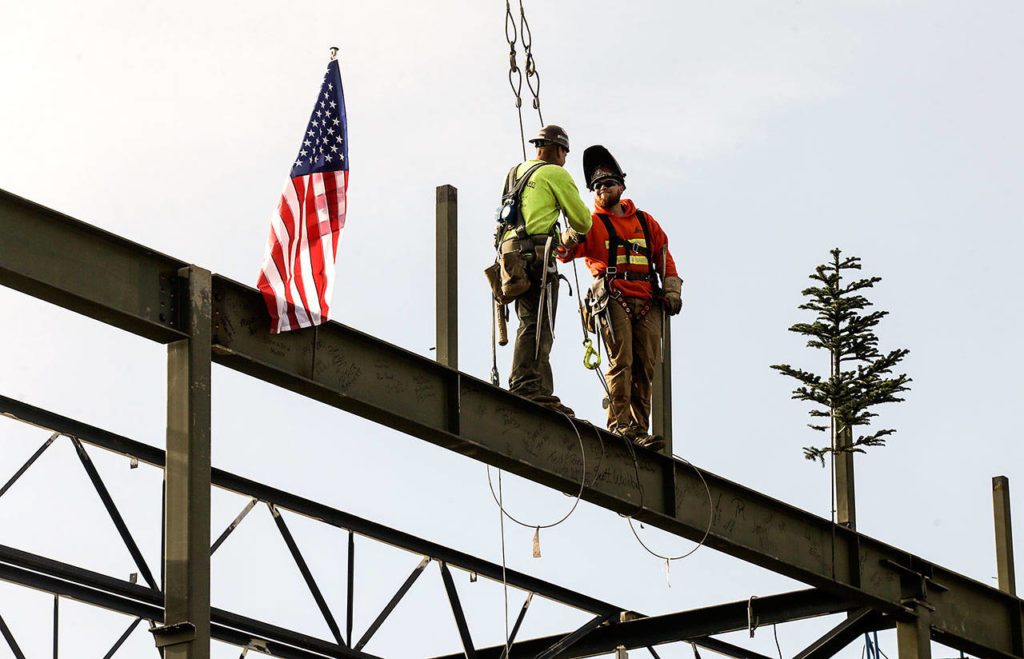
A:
611	270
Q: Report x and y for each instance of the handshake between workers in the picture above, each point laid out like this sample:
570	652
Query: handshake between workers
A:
626	251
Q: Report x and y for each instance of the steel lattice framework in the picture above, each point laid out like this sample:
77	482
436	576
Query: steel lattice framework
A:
205	318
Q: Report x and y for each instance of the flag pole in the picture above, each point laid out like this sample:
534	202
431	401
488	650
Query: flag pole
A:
334	53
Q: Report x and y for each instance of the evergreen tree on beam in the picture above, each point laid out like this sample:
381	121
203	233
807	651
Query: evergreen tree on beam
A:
845	328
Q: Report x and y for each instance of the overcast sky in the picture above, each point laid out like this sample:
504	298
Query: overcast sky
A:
759	134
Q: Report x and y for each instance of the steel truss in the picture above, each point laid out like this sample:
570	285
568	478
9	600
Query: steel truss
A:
147	602
126	597
204	317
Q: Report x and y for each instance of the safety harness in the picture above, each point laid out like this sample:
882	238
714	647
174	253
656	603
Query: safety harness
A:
510	214
612	269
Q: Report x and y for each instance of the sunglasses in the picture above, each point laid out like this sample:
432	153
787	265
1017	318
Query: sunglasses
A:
607	183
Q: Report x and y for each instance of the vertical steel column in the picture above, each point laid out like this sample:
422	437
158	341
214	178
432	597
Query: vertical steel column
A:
447	268
913	637
661	398
186	631
1004	534
846	507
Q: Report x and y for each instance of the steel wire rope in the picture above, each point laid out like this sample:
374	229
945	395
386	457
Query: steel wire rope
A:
578	497
707	531
513	68
526	37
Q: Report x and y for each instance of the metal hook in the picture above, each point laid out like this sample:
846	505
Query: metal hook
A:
334	52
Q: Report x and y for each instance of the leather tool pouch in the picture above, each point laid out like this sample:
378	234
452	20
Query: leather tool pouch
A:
493	274
514	278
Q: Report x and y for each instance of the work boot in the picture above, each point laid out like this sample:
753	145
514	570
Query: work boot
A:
652	442
551	402
642	439
559	407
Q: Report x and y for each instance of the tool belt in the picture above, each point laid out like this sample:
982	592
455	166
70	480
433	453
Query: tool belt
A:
509	276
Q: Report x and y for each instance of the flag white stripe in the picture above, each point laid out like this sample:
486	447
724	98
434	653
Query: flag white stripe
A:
291	196
309	300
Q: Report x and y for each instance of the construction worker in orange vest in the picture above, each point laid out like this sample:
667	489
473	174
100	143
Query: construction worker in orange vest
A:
635	282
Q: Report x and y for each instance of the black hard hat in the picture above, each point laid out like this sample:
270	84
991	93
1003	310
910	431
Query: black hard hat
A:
599	163
553	134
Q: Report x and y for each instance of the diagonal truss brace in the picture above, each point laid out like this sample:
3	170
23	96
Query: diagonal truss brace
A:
846	632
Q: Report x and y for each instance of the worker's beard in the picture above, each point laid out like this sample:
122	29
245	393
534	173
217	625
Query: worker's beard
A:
608	197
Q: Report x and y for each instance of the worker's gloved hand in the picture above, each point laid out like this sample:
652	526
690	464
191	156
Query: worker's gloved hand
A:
673	295
571	238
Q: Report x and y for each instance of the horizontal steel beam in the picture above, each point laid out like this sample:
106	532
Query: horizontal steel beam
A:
80	267
83	585
685	625
64	261
151	455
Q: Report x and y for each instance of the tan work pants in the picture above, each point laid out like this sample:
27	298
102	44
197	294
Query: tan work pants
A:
633	356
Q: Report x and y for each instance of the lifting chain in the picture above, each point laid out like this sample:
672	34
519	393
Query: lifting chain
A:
515	73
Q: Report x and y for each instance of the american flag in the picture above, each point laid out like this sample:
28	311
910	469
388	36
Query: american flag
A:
298	268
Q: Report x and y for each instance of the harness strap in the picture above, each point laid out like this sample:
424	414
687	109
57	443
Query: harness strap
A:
513	190
642	217
639	315
614	242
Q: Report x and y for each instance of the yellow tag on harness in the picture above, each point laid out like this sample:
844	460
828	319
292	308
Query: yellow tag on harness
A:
591	359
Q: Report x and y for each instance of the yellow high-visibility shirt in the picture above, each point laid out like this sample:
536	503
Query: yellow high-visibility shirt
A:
550	190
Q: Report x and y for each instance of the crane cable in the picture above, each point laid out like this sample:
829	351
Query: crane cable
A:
524	36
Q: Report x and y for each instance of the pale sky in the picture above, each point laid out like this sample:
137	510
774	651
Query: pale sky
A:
759	134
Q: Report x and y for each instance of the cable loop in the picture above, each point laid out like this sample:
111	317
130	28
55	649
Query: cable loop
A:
579	495
524	28
510	22
707	531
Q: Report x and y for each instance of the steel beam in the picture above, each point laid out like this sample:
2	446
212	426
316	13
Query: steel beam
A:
684	626
723	648
846	632
392	603
846	499
1004	534
447	276
515	628
122	638
307	575
912	635
115	514
75	265
469	652
371	378
11	642
661	398
187	520
35	456
573	638
89	587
